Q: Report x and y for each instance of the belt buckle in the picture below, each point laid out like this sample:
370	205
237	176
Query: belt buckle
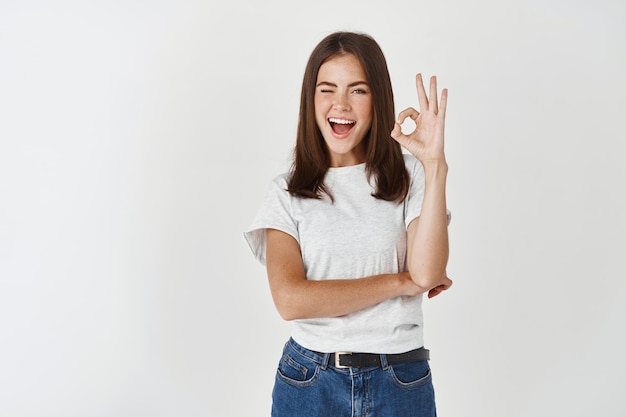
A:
339	365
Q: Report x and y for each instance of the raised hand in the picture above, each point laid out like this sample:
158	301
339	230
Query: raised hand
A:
426	141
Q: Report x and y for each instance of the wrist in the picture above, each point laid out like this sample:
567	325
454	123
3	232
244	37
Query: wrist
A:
437	166
435	171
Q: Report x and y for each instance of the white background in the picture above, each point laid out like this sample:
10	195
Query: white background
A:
136	142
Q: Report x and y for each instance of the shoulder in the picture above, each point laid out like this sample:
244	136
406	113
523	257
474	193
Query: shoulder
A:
277	188
280	181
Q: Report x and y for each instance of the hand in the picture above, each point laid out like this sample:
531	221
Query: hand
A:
426	141
409	287
441	287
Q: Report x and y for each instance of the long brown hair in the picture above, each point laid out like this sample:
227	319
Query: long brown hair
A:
383	155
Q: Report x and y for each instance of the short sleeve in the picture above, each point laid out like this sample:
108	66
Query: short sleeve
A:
275	213
413	202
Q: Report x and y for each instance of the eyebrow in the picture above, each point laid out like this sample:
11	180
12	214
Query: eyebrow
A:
354	84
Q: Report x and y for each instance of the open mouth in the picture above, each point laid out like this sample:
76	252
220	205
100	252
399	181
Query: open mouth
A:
341	126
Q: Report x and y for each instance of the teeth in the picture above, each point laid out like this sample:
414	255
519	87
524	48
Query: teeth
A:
341	121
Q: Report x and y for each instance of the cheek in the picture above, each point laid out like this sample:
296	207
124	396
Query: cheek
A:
364	108
320	110
366	116
321	104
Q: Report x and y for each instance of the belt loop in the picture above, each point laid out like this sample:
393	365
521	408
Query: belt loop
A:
383	362
325	359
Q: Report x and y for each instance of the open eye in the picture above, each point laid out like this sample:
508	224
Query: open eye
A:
359	91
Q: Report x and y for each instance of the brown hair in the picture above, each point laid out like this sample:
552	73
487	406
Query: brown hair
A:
383	155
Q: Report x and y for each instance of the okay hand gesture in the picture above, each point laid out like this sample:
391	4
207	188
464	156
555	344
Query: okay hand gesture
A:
426	141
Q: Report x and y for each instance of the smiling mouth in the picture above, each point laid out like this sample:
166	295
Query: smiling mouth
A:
341	126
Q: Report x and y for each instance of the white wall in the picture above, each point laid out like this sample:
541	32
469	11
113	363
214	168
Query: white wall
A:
136	141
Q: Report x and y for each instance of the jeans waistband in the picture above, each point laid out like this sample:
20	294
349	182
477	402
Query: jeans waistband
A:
343	360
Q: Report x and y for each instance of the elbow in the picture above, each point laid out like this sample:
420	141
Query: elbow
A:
287	314
427	277
428	271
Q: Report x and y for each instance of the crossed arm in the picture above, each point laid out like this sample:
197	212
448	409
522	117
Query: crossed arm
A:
296	297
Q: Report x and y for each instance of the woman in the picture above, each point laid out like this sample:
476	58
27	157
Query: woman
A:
353	236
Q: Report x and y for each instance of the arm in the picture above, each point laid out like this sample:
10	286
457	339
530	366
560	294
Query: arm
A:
296	297
427	235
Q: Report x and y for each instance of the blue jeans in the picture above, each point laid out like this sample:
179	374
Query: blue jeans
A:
308	385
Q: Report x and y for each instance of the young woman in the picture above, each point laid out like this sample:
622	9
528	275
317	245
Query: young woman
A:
353	236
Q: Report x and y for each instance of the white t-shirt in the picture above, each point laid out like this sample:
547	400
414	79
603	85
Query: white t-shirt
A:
355	236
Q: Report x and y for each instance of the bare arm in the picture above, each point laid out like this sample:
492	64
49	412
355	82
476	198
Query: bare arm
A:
296	297
427	236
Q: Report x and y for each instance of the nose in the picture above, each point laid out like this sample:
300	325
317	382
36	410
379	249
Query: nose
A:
341	103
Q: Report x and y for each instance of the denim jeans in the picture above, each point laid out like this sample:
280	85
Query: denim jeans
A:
308	385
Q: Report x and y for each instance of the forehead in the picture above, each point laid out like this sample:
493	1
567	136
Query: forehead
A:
346	67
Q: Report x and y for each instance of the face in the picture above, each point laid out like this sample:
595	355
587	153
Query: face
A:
343	109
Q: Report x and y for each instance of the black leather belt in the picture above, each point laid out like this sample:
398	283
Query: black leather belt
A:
361	360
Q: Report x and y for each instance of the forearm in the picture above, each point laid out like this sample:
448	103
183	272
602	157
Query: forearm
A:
427	243
336	297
